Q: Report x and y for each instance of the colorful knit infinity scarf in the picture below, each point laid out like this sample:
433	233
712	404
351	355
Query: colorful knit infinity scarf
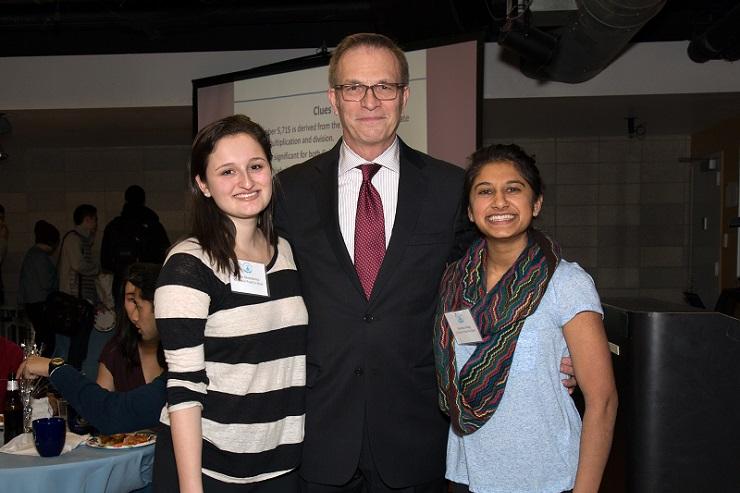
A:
472	397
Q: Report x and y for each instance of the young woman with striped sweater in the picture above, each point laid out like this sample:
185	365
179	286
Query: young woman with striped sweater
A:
233	325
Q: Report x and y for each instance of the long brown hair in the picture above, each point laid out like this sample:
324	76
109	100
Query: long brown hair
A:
213	229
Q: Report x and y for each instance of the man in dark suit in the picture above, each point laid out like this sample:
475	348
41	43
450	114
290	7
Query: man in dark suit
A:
372	416
372	223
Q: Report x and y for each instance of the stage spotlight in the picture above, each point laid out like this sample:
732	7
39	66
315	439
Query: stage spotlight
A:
535	46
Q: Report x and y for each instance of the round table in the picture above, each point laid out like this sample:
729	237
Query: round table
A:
84	469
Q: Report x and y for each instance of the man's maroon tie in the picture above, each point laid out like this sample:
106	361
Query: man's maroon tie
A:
369	230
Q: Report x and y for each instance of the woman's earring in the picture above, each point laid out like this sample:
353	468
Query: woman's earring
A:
207	194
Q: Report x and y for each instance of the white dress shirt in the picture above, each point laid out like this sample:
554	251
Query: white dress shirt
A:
350	179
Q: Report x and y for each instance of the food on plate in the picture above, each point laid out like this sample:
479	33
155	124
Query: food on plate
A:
120	440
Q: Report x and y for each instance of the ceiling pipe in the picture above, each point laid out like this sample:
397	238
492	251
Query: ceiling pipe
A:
721	40
599	32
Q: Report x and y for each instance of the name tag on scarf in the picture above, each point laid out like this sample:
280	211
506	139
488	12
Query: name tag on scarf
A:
253	279
463	327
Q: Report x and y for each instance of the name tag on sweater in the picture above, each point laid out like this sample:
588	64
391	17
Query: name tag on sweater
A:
253	279
463	327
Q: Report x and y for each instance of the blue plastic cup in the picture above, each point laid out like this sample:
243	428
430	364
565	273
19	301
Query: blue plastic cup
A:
49	435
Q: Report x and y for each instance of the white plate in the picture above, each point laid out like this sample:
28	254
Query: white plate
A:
96	442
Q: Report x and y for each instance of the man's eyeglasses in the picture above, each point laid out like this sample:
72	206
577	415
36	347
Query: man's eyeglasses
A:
384	91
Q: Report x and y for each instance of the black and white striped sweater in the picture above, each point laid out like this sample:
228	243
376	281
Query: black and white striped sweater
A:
241	357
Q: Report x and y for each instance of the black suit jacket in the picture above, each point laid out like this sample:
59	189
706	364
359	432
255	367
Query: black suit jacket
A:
370	362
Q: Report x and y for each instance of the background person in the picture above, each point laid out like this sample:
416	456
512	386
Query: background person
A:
136	235
77	272
109	412
513	426
234	340
133	356
11	356
38	279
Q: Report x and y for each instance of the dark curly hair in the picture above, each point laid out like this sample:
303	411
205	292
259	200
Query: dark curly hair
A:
510	153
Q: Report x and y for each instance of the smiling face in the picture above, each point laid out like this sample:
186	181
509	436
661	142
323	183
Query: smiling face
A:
502	203
140	312
369	125
238	178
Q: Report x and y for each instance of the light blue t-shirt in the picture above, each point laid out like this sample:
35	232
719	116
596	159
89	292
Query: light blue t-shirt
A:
530	444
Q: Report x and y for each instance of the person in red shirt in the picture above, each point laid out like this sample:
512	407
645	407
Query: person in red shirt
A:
11	357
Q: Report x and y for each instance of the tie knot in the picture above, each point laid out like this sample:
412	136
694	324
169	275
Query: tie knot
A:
369	170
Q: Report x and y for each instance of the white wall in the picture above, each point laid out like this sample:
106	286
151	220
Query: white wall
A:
112	81
119	81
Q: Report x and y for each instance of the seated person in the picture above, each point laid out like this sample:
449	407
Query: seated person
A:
109	412
11	356
133	356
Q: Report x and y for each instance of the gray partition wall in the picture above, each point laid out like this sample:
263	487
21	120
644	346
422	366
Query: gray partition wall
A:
678	377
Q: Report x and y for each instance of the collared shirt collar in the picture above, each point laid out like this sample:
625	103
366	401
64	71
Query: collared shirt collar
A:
390	158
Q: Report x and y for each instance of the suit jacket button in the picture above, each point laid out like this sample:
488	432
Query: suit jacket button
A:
368	318
358	371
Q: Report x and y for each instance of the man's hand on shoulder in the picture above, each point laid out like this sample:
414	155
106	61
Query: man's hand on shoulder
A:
566	367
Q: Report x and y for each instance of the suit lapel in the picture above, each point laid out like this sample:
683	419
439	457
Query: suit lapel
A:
412	187
325	190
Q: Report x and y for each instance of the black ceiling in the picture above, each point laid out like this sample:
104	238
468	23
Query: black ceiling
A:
66	27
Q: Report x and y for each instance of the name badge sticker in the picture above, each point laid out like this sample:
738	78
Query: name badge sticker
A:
463	327
253	279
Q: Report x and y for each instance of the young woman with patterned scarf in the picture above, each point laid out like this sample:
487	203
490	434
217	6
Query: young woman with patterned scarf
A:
514	428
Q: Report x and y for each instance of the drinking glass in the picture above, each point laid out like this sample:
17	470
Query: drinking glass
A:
26	387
